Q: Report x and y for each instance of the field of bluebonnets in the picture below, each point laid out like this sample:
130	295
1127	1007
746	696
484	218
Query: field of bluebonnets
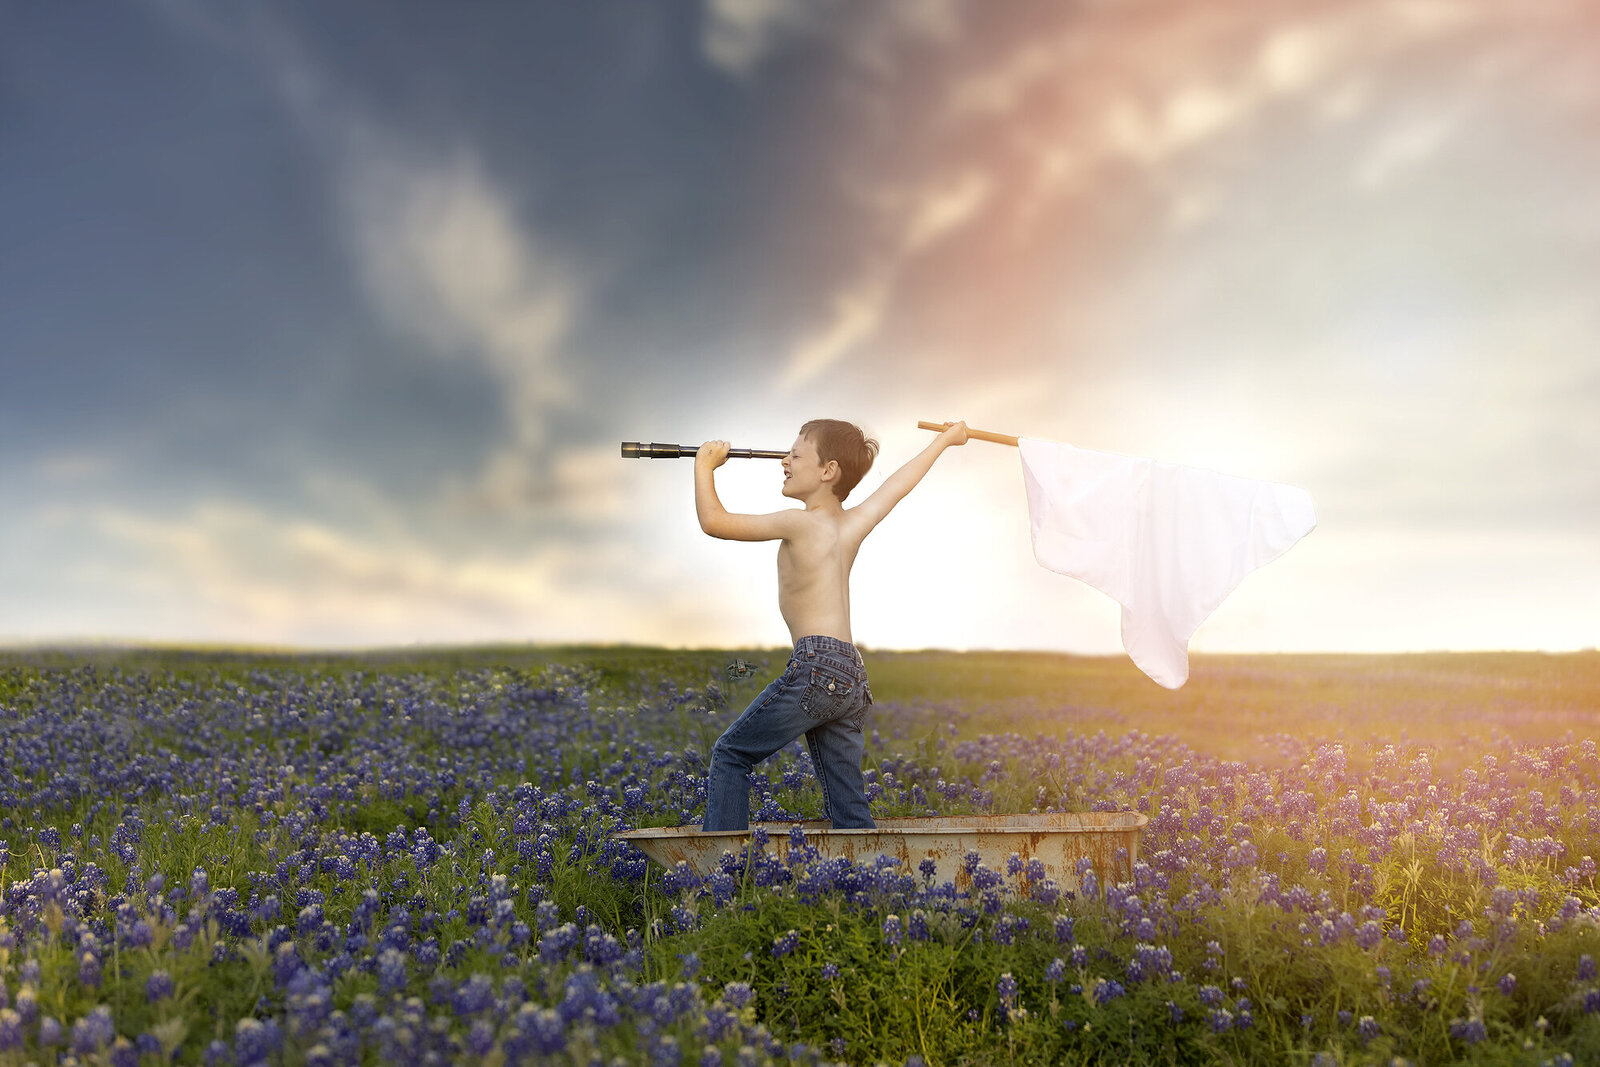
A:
225	858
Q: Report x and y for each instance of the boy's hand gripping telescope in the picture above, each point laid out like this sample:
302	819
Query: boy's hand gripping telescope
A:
640	450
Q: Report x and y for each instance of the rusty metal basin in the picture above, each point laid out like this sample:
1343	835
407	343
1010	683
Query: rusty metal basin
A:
1057	839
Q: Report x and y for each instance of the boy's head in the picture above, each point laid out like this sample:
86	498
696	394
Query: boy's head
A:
842	443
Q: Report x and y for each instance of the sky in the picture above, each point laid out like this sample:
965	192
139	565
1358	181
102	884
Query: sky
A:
320	325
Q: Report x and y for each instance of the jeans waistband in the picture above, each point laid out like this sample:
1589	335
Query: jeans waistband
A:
819	643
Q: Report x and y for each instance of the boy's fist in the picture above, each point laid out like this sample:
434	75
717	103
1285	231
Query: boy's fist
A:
712	455
956	433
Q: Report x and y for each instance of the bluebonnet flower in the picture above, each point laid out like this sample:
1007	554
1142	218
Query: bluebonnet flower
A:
891	931
665	1052
1586	968
830	971
474	995
93	1032
254	1041
1507	983
1006	990
27	1005
1107	990
1221	1020
158	986
89	970
10	1029
983	878
1367	1028
1470	1030
785	943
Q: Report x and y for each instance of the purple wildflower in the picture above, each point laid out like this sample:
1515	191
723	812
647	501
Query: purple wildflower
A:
254	1041
785	944
1107	990
1006	990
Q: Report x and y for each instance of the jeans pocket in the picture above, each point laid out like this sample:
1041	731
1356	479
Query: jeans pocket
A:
828	693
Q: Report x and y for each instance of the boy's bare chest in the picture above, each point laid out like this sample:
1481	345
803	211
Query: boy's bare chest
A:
820	556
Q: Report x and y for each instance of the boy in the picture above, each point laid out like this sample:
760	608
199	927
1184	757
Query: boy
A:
823	691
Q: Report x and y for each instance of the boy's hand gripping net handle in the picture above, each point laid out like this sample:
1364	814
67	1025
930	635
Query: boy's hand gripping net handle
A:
640	450
972	435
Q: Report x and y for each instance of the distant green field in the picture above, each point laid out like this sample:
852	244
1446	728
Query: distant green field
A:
1232	706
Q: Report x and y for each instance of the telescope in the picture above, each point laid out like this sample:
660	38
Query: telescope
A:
640	450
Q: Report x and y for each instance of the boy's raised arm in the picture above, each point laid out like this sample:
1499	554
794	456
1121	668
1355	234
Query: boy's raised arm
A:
717	520
902	481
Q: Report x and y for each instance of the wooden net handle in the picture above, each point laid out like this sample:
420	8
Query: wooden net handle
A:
975	435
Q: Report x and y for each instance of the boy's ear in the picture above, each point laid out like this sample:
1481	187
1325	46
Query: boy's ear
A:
830	470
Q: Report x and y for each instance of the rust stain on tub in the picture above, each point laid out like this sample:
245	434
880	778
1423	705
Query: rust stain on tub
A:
1058	840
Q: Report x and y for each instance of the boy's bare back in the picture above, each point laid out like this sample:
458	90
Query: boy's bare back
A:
819	542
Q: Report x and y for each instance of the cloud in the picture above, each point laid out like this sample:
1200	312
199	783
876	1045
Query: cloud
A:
440	245
855	317
440	250
236	571
738	36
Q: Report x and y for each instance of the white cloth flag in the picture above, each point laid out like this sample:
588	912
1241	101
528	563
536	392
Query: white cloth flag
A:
1167	542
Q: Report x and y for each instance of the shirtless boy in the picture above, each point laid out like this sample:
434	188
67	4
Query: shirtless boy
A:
823	692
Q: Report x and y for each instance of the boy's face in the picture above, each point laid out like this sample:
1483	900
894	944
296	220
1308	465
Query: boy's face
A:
802	470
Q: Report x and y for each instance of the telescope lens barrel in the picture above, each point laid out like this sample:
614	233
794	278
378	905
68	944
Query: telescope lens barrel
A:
640	450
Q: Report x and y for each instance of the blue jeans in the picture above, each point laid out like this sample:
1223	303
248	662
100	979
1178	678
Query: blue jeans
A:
823	694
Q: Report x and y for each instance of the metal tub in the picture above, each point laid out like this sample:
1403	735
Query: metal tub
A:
1058	840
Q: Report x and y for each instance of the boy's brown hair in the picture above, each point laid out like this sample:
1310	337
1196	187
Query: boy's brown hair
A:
845	443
